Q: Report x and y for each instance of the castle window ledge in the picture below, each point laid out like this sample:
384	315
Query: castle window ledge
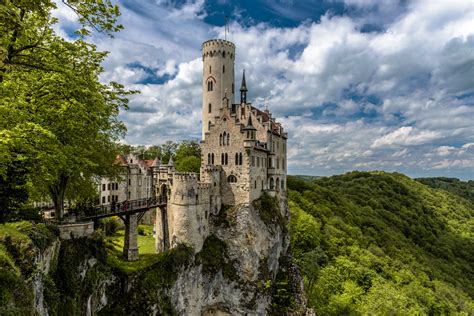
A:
272	171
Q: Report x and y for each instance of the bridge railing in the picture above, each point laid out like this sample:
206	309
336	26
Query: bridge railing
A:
125	206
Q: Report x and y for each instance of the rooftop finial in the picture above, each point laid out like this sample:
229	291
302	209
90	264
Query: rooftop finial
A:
243	90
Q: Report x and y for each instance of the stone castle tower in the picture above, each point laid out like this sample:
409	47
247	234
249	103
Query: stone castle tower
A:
243	155
218	79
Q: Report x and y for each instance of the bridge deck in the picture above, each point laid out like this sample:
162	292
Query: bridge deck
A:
124	208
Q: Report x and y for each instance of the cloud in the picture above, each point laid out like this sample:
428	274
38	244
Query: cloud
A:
405	136
399	97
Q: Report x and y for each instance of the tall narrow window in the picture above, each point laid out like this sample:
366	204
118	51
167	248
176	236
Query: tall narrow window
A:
223	138
220	139
240	158
209	109
209	158
212	158
223	68
228	139
209	126
222	159
210	69
236	159
226	158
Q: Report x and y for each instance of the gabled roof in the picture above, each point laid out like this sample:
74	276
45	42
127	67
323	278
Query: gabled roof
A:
121	161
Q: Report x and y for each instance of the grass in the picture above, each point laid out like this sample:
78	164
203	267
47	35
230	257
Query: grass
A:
147	255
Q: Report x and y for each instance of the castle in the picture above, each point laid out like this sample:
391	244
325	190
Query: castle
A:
243	154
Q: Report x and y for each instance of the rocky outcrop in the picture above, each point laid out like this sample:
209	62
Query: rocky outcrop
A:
250	248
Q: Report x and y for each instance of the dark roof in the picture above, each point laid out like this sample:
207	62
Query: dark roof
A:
249	125
243	86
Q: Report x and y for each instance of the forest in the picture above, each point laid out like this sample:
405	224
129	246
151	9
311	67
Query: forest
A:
382	243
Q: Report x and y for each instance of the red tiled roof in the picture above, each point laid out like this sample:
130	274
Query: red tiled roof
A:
148	162
120	160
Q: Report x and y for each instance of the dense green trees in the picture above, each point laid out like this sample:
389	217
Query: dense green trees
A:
378	243
58	121
464	189
186	154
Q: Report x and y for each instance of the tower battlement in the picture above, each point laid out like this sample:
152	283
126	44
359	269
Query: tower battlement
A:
185	176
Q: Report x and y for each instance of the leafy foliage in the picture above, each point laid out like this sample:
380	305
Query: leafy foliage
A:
59	122
186	154
214	257
464	189
379	243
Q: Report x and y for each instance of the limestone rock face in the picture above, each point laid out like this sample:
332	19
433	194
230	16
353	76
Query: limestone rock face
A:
249	266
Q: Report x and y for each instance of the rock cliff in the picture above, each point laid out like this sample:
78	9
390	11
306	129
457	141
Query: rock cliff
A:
244	267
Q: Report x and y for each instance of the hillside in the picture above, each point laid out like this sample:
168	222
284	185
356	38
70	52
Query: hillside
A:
382	243
464	189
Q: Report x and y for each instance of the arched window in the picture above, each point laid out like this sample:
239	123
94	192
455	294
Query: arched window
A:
222	159
209	126
223	68
210	85
209	158
226	159
236	159
209	109
228	139
220	139
223	54
272	184
223	138
240	159
212	158
231	179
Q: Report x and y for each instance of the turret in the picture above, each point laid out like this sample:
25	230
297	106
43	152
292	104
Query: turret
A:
249	132
243	90
171	165
217	79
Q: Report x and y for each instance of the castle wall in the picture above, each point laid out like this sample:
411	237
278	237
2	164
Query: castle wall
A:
188	211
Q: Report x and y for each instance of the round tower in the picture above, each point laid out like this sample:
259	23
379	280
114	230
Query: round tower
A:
217	79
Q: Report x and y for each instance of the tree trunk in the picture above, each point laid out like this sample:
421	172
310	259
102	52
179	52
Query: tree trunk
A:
57	194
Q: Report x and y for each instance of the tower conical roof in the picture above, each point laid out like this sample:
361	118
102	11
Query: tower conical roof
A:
156	162
243	86
249	125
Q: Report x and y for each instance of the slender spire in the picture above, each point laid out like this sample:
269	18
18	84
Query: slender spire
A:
243	90
243	86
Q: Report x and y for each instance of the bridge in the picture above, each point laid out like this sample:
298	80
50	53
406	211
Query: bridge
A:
131	212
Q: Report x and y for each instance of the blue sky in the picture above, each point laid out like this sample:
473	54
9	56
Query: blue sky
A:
358	84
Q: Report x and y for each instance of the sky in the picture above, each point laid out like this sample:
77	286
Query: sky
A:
357	84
